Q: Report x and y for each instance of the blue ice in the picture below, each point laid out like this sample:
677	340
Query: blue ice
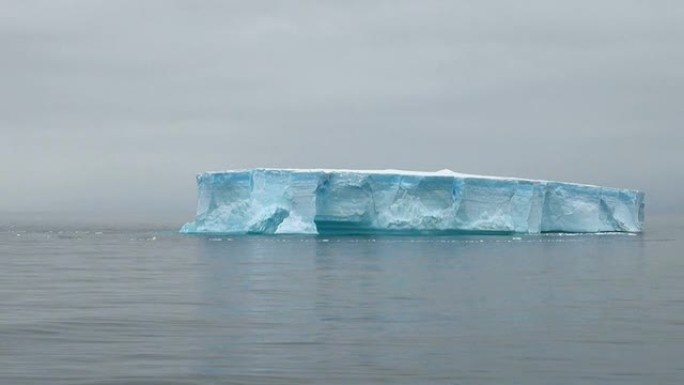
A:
291	201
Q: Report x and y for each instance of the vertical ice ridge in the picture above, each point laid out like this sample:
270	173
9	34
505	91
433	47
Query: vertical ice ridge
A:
534	218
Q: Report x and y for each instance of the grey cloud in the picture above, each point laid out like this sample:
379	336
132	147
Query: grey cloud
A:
116	105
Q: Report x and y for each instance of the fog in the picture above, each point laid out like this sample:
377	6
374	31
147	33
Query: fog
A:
109	108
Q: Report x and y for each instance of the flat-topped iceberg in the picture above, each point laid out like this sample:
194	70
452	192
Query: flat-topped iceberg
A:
290	201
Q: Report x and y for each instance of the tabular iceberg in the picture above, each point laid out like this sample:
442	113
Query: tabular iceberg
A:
290	201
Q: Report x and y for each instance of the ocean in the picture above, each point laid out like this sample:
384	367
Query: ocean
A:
124	304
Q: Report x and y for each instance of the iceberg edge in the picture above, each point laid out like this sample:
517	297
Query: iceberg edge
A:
324	201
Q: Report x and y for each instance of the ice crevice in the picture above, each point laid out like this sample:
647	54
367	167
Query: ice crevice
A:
291	201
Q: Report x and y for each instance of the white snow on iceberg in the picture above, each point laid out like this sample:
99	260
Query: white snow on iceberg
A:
290	201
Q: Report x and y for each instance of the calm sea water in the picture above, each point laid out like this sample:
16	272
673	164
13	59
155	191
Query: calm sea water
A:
104	305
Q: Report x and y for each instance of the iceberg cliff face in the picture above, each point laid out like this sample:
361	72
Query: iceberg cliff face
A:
281	201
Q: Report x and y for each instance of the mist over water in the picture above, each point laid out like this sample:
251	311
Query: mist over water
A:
108	305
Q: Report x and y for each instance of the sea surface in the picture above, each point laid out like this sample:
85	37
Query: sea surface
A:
95	304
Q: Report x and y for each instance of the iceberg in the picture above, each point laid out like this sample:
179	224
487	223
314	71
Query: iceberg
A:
320	201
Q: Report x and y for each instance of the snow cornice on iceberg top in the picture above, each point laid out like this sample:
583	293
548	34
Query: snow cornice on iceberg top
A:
447	173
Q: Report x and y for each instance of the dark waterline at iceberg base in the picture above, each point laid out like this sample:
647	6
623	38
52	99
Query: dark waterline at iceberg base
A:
108	305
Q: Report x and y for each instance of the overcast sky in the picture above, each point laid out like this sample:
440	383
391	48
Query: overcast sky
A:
114	106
